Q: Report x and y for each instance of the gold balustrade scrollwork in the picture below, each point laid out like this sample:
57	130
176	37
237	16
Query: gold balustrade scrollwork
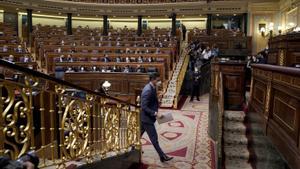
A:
62	123
16	119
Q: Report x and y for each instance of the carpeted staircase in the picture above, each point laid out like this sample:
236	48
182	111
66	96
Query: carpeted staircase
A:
245	146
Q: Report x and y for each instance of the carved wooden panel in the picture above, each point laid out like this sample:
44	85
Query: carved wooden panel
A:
285	113
276	93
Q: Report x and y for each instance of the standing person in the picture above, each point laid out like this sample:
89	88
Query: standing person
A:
183	31
196	84
149	113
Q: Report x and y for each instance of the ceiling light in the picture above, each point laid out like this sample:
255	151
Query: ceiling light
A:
17	9
39	11
218	14
114	16
149	16
59	13
234	14
131	16
78	14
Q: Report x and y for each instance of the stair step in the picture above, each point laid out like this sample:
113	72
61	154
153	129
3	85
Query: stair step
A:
267	154
234	115
237	164
254	117
259	141
256	129
234	127
237	152
270	165
232	138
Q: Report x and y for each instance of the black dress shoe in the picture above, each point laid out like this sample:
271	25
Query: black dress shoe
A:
165	158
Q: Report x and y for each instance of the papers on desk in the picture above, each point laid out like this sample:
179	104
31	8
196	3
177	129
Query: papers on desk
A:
165	118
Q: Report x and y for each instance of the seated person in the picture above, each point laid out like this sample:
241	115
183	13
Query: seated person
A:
26	59
5	48
106	58
58	50
94	69
62	42
140	59
160	44
126	69
150	59
127	60
116	69
82	69
61	58
133	59
99	44
104	69
140	69
74	44
157	51
118	59
19	49
10	58
69	69
128	50
152	69
69	58
118	43
137	51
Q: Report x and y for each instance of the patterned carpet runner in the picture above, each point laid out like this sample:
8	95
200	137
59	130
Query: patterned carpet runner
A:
185	139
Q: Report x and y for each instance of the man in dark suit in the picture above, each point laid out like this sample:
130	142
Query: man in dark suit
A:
149	113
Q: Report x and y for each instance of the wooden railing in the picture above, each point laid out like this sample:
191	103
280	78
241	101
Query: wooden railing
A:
216	111
275	96
132	1
181	76
62	122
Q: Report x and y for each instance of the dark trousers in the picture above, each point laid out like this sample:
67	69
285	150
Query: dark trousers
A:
151	131
195	91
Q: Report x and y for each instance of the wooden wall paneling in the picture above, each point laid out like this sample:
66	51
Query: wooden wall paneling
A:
276	93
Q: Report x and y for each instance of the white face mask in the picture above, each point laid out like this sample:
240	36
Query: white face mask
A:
158	84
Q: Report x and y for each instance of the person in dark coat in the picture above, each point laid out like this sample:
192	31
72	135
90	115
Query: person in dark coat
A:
149	113
196	84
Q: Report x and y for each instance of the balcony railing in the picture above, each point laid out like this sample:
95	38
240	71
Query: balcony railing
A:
61	121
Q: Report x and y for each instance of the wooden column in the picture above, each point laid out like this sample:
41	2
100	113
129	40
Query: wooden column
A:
29	25
173	16
208	23
105	25
140	29
69	23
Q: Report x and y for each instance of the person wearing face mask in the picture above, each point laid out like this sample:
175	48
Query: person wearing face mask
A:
196	84
149	113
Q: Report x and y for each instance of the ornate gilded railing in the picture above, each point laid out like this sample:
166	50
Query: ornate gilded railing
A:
61	121
181	76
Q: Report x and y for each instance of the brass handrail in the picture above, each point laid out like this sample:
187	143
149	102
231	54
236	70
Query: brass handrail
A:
62	122
181	76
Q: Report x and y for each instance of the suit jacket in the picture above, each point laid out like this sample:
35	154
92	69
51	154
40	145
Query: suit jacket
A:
149	104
